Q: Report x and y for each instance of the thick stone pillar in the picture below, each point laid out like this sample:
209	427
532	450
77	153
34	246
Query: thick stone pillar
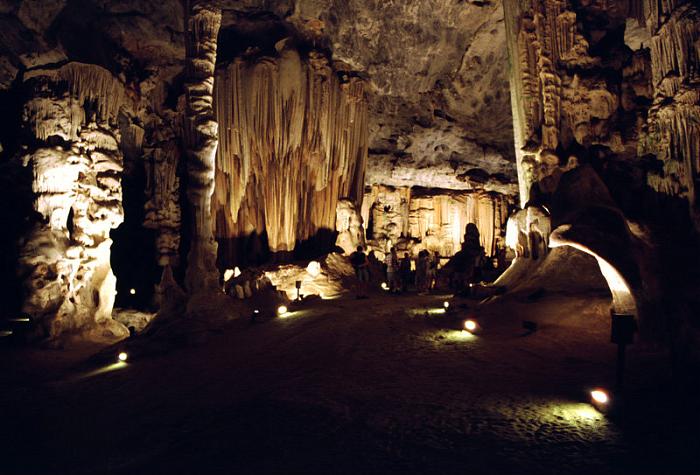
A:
72	146
201	141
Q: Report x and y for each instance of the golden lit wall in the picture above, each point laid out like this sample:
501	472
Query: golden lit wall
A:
292	141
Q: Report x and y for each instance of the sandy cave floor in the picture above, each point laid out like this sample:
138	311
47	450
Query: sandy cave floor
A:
347	386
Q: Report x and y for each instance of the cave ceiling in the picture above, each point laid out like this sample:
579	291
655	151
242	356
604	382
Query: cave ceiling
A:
437	69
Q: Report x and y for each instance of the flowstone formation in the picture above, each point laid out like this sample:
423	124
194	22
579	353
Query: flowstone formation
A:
293	141
73	148
416	218
606	137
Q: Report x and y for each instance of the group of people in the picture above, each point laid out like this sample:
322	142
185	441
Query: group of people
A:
399	272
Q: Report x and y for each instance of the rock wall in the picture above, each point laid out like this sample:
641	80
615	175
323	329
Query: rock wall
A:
293	141
672	132
433	219
73	147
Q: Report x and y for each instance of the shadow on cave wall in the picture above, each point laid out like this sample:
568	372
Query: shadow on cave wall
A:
134	254
17	214
253	250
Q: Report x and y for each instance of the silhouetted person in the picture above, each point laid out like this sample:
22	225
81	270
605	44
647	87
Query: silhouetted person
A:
359	262
422	266
405	271
392	270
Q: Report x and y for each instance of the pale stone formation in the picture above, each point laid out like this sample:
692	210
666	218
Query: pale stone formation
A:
77	162
527	233
201	140
672	132
433	219
330	279
161	156
348	224
293	141
560	92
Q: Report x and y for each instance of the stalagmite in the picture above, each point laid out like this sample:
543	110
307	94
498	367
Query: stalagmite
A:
65	263
348	224
201	141
293	141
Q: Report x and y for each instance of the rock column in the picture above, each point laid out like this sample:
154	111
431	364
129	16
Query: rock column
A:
201	141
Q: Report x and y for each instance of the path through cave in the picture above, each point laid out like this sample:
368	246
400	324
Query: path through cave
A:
348	387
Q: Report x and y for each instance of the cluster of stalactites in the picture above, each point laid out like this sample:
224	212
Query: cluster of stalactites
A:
292	141
436	219
87	84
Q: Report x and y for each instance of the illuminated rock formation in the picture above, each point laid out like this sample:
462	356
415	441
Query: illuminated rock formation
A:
77	163
673	127
162	155
201	141
348	224
433	219
293	141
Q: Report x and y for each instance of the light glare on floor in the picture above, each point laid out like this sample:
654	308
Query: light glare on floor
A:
599	396
122	356
282	309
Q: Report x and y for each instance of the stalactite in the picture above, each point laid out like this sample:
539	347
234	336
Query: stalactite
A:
293	140
85	82
436	218
201	141
673	126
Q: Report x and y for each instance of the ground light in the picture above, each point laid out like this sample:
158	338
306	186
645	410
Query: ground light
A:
282	310
122	356
132	291
599	396
446	304
470	325
385	286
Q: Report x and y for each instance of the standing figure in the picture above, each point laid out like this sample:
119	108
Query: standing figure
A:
359	262
422	266
405	271
392	270
432	271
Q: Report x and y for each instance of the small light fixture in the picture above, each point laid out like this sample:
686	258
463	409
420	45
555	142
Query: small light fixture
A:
282	309
446	304
256	311
132	291
470	325
385	286
599	396
122	356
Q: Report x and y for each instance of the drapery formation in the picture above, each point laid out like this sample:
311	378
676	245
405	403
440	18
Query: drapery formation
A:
436	218
293	141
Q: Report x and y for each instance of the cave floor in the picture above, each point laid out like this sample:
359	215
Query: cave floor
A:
347	386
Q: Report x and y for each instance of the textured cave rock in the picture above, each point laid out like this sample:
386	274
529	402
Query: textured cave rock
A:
293	142
201	141
75	153
349	226
413	219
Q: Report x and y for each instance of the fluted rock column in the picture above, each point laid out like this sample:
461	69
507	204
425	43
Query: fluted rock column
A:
673	127
201	141
73	150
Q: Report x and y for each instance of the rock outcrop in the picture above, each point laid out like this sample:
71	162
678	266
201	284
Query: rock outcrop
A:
73	148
